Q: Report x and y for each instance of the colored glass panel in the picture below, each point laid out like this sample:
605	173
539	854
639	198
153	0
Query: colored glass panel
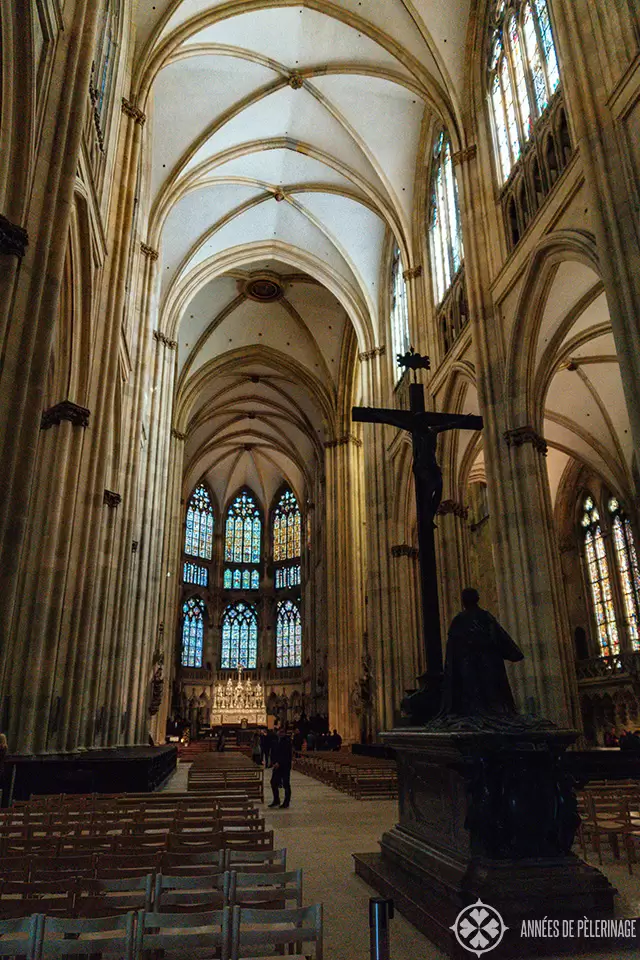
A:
399	311
599	581
194	573
535	60
227	579
192	632
627	563
521	82
445	229
501	127
288	635
287	525
198	541
243	531
546	35
510	110
239	637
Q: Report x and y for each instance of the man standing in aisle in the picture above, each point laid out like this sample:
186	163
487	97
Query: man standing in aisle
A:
281	755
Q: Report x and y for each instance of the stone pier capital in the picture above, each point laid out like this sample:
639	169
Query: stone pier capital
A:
13	239
65	410
526	434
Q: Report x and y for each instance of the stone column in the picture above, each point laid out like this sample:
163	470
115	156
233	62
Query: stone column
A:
169	599
529	582
29	296
407	641
38	646
595	47
453	572
151	573
345	608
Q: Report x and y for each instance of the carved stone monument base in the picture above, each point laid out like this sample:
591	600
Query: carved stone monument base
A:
487	816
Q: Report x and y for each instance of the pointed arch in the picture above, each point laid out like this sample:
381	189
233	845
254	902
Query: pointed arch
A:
242	542
193	611
239	637
198	537
288	634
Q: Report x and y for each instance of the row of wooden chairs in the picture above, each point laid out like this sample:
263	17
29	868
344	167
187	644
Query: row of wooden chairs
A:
139	845
89	897
365	778
229	934
612	815
101	865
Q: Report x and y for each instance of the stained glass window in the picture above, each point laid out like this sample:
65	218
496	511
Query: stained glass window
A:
599	580
192	632
105	60
198	540
627	562
288	635
243	541
399	310
445	229
287	541
239	637
523	74
194	573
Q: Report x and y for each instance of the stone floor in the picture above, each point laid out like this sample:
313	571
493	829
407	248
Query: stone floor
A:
321	830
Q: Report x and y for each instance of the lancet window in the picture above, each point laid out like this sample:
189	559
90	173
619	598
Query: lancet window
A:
399	311
628	571
239	637
523	74
105	59
444	229
599	580
288	635
287	542
243	542
194	573
192	632
198	540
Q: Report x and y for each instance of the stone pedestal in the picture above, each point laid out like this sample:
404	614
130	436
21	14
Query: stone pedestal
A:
489	816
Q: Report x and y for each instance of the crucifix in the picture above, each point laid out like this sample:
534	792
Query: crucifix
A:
424	428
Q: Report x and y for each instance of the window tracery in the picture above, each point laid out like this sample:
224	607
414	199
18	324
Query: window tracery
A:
599	580
288	635
198	541
399	310
287	541
243	541
628	570
239	637
192	632
528	118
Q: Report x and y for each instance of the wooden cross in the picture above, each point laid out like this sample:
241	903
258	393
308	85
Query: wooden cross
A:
424	428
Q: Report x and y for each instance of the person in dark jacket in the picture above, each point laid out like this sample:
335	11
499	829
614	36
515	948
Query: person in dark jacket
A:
281	756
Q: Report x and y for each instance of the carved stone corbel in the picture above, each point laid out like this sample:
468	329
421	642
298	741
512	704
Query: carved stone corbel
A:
111	499
404	550
526	434
134	112
468	153
14	240
149	252
454	507
372	354
65	410
178	436
413	272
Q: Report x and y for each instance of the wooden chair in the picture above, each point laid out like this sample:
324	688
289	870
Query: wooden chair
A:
249	840
104	897
266	891
258	930
192	862
24	906
176	894
260	861
21	937
183	936
91	937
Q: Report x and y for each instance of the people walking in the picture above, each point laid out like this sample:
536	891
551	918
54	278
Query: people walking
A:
281	757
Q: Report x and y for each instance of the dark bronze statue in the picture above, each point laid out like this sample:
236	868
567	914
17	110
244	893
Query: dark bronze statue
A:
475	679
476	693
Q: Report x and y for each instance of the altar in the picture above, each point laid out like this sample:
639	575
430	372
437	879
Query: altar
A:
238	701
